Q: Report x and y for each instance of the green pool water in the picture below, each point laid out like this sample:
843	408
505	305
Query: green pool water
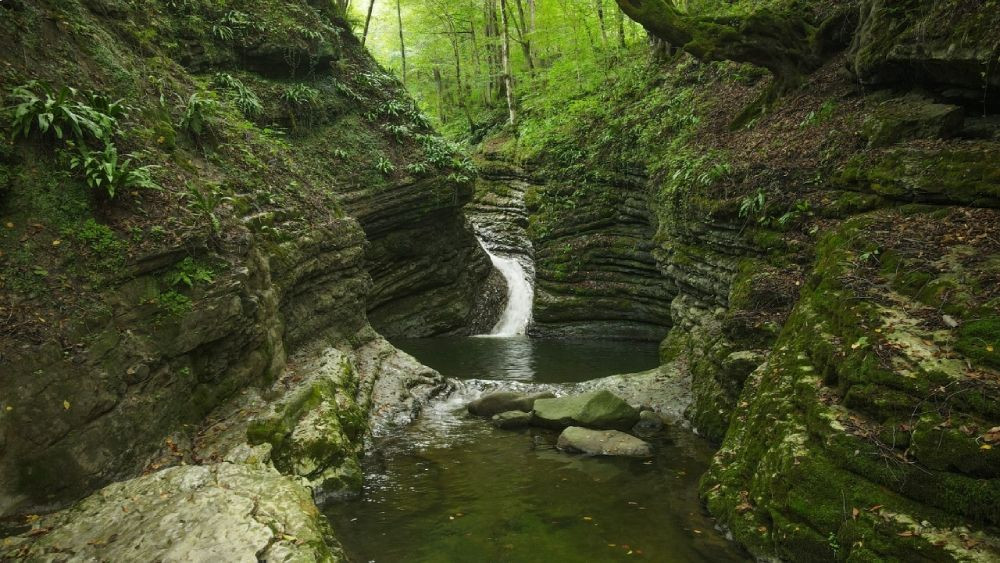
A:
452	488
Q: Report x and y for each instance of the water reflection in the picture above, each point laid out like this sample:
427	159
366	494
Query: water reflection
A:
526	359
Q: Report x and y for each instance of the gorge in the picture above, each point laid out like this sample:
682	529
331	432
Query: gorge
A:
257	259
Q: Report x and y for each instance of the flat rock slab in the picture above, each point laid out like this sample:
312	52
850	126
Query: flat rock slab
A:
222	512
505	401
602	410
602	442
512	419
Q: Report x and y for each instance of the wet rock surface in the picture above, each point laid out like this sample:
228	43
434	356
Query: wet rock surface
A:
512	419
649	424
602	442
597	409
504	401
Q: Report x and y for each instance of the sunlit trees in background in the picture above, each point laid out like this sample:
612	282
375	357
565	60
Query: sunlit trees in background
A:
476	63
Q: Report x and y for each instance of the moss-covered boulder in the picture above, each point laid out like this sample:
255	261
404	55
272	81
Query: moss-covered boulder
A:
942	43
912	117
598	409
963	173
316	430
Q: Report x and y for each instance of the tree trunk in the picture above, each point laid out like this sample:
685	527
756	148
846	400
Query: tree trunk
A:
600	20
508	78
524	35
368	20
620	19
463	99
439	82
479	65
402	44
492	57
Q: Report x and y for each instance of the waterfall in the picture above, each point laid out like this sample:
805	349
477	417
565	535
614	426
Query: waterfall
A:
520	295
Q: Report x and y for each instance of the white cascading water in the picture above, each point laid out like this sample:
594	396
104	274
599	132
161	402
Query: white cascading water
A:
520	294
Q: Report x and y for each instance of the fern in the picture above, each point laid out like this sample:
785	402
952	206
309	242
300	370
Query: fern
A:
197	112
106	170
60	113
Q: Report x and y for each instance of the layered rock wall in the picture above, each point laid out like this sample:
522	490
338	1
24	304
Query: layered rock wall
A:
300	190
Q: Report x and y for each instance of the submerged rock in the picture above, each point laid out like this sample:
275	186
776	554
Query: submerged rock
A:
504	401
649	423
512	419
603	442
599	409
222	512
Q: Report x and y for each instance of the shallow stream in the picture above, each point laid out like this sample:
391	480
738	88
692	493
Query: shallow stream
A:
452	488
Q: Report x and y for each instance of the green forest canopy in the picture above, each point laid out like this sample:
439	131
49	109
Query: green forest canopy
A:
454	50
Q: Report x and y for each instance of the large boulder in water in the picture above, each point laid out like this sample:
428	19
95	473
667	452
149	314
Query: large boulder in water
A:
598	409
505	401
602	442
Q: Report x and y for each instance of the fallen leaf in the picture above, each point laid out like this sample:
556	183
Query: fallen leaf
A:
906	534
66	405
9	225
854	513
56	242
986	447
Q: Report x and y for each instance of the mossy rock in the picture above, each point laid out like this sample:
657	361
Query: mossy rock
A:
963	174
601	410
912	117
980	341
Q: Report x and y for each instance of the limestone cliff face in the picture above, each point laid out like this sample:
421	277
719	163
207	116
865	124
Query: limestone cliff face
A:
300	191
595	275
426	264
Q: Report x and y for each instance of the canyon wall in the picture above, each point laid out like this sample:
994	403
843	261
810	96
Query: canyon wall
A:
298	192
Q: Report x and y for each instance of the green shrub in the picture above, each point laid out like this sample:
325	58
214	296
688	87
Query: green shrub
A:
39	107
187	272
83	121
105	170
300	95
174	303
205	202
385	166
243	97
198	110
